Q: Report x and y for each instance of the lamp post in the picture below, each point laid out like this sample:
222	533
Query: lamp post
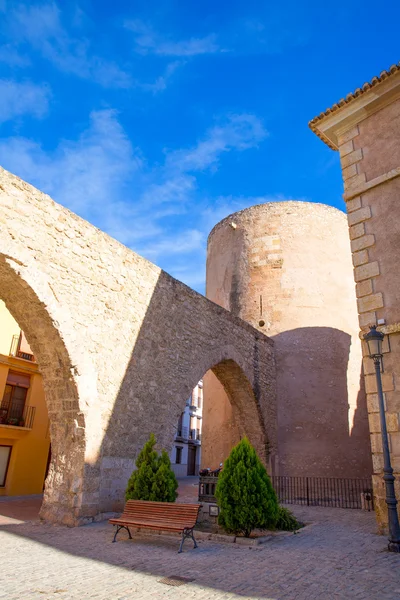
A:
374	341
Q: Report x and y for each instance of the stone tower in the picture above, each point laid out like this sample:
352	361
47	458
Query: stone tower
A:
285	267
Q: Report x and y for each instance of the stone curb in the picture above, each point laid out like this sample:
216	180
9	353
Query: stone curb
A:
219	537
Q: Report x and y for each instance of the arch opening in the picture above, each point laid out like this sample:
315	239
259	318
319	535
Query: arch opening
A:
205	447
63	488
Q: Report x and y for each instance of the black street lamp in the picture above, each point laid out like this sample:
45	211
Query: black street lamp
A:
374	340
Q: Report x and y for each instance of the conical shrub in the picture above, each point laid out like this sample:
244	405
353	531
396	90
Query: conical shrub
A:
153	478
244	492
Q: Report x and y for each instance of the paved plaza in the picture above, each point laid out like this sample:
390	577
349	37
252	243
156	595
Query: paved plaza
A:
337	555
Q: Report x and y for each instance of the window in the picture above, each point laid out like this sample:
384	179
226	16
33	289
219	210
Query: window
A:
178	457
5	453
179	427
14	398
200	397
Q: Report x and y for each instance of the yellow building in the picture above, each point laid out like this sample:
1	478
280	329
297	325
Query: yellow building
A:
24	423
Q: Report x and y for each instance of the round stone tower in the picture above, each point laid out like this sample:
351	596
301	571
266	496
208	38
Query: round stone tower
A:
285	267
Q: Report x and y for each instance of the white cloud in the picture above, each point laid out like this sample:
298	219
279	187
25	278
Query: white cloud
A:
41	27
238	132
85	175
17	99
175	182
157	211
149	42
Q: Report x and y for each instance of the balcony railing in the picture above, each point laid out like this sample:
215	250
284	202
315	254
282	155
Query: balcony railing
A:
17	415
182	433
15	349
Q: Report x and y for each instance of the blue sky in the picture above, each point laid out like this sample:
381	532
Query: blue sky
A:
154	120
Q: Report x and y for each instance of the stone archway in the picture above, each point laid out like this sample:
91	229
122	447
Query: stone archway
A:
63	490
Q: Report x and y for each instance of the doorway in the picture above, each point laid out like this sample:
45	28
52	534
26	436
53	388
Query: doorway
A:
191	469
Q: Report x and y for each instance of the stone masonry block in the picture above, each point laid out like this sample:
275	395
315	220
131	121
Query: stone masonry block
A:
353	204
387	383
363	242
346	148
350	134
360	258
366	271
368	365
351	157
373	402
392	422
367	319
377	463
393	401
369	303
349	172
374	423
357	231
376	443
355	182
362	214
395	443
364	288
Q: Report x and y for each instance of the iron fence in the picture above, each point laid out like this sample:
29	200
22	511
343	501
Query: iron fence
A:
324	491
308	491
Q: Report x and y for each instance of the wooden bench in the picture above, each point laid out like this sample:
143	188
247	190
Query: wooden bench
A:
171	516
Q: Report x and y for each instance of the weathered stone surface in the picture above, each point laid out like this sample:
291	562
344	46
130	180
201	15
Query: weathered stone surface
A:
357	231
120	344
350	134
350	157
346	147
366	271
369	303
360	258
359	215
363	242
353	204
364	288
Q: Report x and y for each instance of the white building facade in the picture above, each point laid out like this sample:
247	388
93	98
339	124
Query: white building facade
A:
186	452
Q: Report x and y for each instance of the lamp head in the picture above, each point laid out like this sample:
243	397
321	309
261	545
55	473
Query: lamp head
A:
374	341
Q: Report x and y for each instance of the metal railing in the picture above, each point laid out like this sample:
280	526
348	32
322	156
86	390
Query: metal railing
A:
182	433
207	485
308	491
15	349
324	491
17	415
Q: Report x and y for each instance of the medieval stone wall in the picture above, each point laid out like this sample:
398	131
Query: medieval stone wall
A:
285	267
120	345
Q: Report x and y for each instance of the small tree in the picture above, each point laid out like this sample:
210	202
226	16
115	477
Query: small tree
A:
244	492
153	478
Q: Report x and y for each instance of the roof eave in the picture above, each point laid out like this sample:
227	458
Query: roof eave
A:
348	112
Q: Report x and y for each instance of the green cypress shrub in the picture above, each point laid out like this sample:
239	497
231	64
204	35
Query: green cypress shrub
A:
244	492
153	478
164	484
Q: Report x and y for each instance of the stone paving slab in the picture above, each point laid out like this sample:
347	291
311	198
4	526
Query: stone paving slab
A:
338	557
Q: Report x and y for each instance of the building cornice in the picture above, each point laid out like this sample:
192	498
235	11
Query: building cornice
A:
358	105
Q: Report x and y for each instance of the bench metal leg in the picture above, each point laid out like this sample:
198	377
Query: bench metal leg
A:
119	527
187	533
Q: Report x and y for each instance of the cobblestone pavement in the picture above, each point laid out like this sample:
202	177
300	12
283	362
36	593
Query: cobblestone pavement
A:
336	556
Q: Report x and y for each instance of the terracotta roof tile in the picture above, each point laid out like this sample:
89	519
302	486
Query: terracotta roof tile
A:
349	98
